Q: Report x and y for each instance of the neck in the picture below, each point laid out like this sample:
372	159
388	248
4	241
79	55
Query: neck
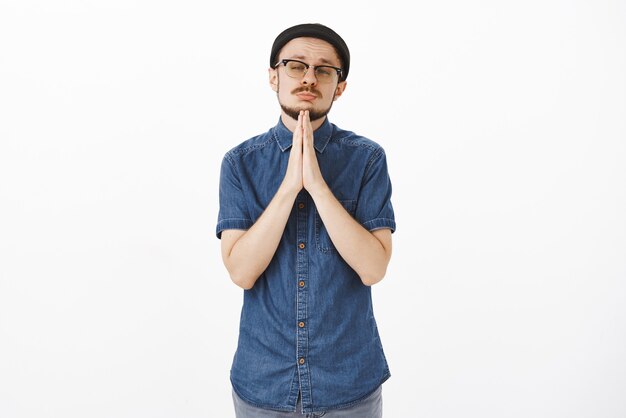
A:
291	123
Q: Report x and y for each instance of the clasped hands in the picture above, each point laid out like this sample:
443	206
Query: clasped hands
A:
303	169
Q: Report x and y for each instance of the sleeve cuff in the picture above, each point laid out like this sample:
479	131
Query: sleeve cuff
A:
379	223
232	223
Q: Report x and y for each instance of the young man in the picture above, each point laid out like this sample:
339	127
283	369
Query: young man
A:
305	221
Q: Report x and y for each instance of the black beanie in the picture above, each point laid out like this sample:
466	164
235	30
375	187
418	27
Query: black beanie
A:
313	30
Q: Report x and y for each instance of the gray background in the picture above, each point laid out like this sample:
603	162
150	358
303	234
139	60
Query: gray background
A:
505	130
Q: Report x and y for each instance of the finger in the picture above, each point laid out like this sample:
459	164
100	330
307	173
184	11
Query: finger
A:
296	141
298	131
305	138
308	129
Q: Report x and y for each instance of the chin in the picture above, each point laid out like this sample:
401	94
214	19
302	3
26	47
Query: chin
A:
292	111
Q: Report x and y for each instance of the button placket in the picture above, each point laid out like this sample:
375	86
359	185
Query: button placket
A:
302	343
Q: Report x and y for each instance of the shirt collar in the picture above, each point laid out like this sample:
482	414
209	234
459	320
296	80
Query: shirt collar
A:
321	135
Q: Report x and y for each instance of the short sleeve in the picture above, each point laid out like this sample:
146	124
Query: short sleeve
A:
233	211
374	209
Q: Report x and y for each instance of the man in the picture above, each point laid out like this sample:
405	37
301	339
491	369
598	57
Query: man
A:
305	221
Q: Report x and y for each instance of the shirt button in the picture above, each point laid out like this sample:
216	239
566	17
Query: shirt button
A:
301	205
301	245
301	283
301	361
301	324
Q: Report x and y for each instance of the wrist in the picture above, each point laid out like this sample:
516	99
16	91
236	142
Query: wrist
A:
320	191
287	191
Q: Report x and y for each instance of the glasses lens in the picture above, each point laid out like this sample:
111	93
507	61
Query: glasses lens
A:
295	69
325	74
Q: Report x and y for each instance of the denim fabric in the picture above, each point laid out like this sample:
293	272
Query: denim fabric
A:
307	325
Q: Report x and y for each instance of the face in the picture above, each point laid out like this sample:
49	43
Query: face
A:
306	93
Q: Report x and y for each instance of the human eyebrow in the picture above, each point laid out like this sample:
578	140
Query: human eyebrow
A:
322	60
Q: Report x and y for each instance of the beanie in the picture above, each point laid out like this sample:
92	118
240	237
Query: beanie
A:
313	30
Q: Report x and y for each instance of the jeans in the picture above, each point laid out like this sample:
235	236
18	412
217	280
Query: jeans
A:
370	407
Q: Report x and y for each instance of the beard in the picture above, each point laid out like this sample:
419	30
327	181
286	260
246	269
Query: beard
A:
314	114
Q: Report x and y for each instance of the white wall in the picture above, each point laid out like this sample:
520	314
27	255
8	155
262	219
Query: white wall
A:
505	131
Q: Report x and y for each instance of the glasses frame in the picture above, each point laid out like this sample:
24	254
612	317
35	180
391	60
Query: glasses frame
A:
307	66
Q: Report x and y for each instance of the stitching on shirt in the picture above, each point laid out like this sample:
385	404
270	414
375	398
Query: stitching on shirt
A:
272	135
360	142
379	219
230	159
378	152
245	150
308	323
375	155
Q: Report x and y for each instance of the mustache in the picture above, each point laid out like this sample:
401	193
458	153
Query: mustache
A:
307	90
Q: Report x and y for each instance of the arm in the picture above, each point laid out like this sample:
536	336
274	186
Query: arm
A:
247	254
368	253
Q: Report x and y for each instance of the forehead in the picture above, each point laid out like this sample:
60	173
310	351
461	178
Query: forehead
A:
311	50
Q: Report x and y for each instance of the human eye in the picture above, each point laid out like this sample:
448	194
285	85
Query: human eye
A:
324	71
296	66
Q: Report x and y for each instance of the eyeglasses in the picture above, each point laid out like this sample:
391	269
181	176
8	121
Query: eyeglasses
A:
298	69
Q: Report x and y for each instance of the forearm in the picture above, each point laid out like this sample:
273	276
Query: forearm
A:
253	251
356	245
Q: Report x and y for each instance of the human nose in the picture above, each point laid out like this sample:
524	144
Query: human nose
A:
309	76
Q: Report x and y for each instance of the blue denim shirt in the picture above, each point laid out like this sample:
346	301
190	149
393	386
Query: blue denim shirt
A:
308	323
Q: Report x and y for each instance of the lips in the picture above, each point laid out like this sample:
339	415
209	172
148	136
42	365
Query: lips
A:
306	96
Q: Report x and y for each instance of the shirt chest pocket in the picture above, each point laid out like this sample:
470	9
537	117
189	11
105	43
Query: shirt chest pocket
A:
322	239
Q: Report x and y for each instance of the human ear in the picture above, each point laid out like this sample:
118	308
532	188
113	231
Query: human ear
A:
273	79
340	89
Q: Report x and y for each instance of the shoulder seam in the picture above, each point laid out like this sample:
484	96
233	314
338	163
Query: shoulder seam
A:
246	150
379	151
346	139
